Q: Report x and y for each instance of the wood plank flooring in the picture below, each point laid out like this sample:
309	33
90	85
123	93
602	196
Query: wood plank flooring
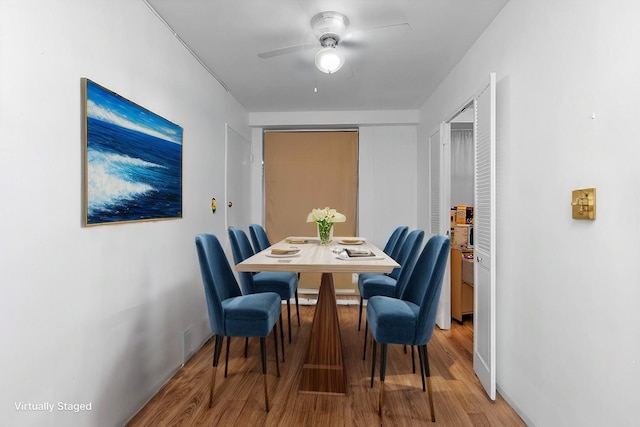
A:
239	399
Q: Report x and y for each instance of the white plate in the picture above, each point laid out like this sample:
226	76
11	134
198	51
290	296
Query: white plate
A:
296	241
351	242
361	258
282	255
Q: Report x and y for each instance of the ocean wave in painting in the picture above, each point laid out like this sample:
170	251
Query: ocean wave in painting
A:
108	184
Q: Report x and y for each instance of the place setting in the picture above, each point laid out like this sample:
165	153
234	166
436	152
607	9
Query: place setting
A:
290	252
355	254
352	241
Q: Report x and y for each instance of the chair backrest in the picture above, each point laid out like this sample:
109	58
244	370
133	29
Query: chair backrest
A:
408	249
259	237
408	256
392	247
242	249
425	284
217	278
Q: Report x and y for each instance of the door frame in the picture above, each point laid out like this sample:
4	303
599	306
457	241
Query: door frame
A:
487	374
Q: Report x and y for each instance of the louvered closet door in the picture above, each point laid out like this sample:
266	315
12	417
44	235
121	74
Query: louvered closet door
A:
440	196
484	344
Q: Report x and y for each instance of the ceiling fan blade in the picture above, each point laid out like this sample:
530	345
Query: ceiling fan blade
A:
403	26
378	31
286	50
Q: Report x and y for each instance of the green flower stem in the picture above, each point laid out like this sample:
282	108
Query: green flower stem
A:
324	229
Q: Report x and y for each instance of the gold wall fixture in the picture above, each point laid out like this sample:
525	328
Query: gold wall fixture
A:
583	203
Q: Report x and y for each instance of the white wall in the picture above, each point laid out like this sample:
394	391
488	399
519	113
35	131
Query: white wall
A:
568	351
96	314
387	183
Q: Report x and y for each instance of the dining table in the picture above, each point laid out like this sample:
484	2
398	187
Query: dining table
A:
323	370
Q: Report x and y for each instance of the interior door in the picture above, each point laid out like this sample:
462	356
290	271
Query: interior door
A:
238	175
440	193
484	343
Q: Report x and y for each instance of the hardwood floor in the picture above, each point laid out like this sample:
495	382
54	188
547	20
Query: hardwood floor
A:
239	399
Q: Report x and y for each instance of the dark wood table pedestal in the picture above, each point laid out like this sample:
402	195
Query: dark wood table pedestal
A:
323	370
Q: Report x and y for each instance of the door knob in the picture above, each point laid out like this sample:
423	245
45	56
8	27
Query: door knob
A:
229	204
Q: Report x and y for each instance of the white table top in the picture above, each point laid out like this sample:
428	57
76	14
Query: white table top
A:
314	257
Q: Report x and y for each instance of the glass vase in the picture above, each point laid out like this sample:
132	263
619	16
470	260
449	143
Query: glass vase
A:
325	232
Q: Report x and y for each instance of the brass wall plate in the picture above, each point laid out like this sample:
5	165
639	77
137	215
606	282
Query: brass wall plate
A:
583	203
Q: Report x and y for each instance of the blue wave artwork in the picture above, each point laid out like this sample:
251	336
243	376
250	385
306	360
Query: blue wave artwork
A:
134	161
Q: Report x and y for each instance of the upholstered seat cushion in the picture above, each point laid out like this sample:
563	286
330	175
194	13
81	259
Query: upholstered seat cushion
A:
376	284
251	315
392	320
284	283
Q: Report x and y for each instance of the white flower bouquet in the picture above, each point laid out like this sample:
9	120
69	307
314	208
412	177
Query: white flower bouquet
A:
325	219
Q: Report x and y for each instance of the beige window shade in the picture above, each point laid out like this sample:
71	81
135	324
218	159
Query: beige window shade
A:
307	170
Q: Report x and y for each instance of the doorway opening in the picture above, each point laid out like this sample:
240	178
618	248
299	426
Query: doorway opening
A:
461	215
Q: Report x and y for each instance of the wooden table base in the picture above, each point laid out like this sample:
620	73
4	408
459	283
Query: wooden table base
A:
323	370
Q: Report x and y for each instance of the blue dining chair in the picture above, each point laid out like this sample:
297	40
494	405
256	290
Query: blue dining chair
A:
284	284
392	247
370	284
232	314
410	319
259	237
260	242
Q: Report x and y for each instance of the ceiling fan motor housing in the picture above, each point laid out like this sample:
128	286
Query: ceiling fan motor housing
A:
329	27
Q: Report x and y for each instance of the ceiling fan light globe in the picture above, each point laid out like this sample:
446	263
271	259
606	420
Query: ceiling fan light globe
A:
329	60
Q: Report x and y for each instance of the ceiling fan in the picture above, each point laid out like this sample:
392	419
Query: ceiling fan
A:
329	28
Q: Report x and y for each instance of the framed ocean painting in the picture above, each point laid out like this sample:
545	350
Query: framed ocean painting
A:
132	160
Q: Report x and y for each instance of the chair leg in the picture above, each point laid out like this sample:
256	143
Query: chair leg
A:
374	346
421	357
289	318
413	360
282	336
246	347
275	341
428	374
383	368
226	360
216	357
263	357
297	307
360	314
366	329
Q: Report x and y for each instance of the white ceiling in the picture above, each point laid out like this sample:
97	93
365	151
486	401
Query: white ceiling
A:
387	68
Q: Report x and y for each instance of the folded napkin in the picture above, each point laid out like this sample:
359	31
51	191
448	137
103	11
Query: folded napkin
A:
298	241
278	251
